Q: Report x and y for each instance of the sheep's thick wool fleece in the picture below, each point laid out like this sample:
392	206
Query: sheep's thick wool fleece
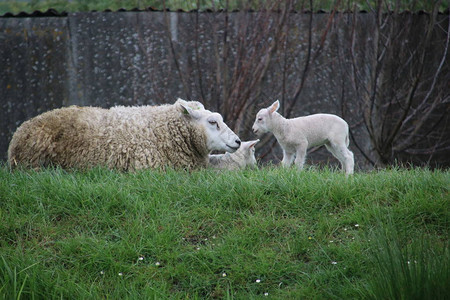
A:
125	138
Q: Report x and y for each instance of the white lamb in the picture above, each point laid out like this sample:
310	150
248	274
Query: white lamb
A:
124	138
242	158
299	134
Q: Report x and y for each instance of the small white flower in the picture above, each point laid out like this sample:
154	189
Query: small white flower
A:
356	225
102	272
224	274
141	258
258	280
334	262
331	241
157	263
120	273
266	294
198	248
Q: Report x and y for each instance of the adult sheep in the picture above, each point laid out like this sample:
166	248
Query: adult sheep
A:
124	138
297	135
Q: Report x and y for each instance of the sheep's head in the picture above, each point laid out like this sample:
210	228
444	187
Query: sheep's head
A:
263	121
218	135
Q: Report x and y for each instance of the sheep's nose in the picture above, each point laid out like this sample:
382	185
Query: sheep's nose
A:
238	141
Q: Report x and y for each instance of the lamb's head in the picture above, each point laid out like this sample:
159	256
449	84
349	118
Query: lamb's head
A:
218	135
247	152
263	121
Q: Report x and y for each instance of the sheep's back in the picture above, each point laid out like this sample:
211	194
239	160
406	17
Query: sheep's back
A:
121	137
161	136
59	137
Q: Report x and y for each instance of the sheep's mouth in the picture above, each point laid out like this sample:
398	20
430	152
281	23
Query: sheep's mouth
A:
234	148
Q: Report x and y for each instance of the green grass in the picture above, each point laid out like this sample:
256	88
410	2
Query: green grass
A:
228	235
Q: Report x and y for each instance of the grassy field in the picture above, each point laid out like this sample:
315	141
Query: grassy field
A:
264	234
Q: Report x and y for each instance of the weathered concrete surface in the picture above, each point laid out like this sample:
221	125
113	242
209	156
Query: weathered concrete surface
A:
34	60
135	58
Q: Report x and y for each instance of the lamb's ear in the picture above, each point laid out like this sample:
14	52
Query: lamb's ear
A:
274	107
186	110
253	143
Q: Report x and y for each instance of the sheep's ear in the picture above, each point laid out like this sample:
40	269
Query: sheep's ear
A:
192	104
274	107
186	110
198	104
181	102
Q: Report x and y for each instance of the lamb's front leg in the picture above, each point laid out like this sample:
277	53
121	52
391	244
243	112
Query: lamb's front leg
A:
300	156
288	158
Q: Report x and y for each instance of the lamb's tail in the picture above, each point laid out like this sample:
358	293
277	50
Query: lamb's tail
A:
347	138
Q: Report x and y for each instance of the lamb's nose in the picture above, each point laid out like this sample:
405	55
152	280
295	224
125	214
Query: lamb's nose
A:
238	141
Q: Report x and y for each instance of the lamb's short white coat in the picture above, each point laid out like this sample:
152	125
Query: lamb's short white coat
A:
242	158
297	135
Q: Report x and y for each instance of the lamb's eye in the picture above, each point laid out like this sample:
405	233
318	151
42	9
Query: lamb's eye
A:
259	119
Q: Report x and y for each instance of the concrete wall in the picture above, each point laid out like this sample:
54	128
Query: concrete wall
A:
134	58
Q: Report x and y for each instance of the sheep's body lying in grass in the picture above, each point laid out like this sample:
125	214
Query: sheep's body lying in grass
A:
299	134
125	138
242	158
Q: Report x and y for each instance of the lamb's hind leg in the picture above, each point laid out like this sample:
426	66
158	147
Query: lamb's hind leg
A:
350	162
344	155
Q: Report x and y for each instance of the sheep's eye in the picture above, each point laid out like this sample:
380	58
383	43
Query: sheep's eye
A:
212	122
259	119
